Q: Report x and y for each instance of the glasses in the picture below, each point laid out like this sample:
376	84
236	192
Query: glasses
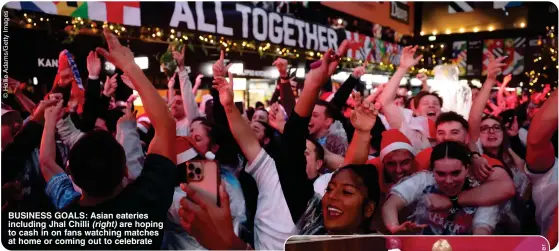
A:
486	129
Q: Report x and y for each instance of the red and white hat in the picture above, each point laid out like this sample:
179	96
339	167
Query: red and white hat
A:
327	96
186	150
143	123
393	140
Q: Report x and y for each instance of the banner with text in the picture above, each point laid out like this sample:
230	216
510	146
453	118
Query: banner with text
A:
231	19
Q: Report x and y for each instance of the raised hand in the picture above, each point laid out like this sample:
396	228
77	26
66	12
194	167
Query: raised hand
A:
507	79
317	77
171	82
407	59
14	85
219	69
276	117
93	64
198	80
110	86
342	50
52	113
129	115
225	89
39	113
281	65
179	57
119	55
494	68
132	98
360	71
364	115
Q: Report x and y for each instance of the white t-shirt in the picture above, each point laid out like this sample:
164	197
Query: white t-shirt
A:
544	195
416	129
272	223
413	190
523	135
183	127
321	183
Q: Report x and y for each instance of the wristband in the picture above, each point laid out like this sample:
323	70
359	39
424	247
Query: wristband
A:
454	200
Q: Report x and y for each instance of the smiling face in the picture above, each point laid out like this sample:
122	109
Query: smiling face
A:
452	131
450	175
491	133
429	106
343	203
319	123
199	132
398	164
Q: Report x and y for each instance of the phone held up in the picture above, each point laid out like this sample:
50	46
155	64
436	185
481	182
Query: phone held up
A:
203	176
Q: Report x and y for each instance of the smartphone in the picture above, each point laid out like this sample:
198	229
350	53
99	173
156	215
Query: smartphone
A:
240	106
204	177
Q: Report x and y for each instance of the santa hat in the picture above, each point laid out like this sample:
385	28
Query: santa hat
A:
143	123
393	140
186	150
327	96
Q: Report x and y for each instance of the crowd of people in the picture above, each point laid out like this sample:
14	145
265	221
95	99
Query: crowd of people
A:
378	164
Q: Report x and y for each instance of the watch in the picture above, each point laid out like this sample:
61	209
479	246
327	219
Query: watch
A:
454	200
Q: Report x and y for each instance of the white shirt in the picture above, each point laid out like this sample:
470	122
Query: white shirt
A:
413	189
321	183
544	195
272	223
183	127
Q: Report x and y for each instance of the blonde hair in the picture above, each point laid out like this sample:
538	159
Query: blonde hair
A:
442	245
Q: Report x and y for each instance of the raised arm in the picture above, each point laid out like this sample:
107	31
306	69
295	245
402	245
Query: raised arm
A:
25	141
241	130
188	98
297	187
474	120
197	84
128	137
363	119
47	153
163	142
540	154
423	78
501	99
92	103
287	99
393	114
171	89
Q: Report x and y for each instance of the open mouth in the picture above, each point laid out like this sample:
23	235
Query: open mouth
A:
431	114
334	212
